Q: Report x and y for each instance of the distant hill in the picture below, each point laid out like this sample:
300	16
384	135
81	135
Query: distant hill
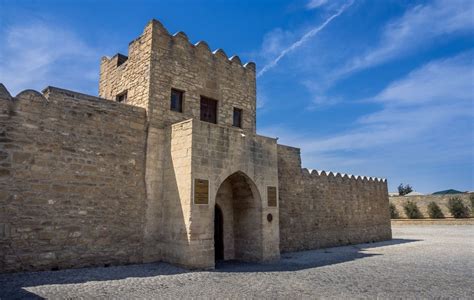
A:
448	192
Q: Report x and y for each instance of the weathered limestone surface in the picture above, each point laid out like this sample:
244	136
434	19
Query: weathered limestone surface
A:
176	197
244	165
176	230
71	183
324	210
248	162
194	69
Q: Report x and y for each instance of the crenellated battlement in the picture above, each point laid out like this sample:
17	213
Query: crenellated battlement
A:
57	98
329	174
203	45
290	157
159	62
181	38
4	93
25	95
324	208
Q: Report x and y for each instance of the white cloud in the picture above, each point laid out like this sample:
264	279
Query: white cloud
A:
417	28
35	55
425	118
422	124
275	41
261	100
305	38
312	4
439	81
318	98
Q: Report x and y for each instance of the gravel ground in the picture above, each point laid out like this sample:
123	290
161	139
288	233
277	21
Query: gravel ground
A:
421	262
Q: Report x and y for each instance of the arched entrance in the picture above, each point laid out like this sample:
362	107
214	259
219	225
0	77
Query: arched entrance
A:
238	205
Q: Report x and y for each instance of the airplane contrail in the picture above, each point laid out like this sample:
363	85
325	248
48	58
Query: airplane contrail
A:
303	39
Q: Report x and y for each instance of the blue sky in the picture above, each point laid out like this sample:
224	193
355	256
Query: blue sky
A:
376	88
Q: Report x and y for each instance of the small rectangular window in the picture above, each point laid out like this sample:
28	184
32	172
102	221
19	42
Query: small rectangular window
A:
237	121
177	100
122	97
208	110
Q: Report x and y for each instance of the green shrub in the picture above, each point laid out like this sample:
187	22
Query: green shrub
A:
394	212
434	211
457	208
412	211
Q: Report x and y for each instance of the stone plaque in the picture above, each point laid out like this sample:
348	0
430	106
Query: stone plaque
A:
272	196
201	191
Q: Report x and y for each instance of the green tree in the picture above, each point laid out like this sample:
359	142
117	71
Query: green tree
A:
404	189
412	211
393	211
457	208
434	211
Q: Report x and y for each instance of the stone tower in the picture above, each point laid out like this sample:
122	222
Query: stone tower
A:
204	160
159	62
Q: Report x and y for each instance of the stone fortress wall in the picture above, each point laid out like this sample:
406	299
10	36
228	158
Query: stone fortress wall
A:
72	190
88	181
319	209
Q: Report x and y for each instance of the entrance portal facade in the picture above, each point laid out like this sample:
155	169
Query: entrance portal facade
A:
209	165
238	211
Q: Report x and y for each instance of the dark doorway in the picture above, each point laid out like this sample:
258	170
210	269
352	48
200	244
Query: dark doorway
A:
218	234
208	110
238	202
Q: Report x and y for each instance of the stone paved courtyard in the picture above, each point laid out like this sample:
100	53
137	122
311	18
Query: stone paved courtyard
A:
421	262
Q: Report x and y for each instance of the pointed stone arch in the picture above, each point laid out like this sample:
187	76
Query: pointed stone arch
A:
241	205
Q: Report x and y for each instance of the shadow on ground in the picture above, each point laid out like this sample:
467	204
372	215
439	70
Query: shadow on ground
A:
12	286
294	261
